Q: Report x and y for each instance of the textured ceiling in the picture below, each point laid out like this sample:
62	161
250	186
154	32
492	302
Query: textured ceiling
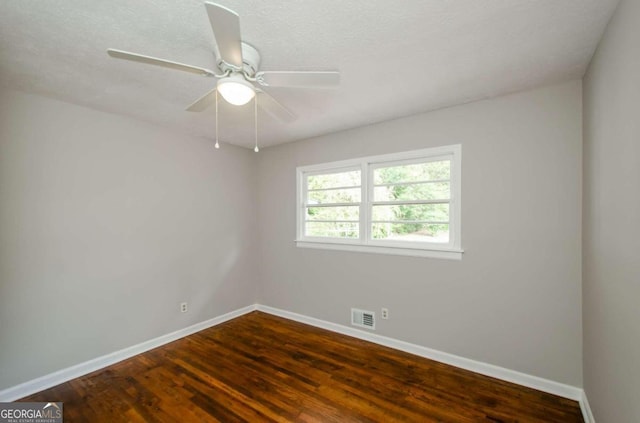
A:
396	57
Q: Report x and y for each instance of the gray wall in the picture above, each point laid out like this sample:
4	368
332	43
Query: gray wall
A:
611	231
106	225
515	298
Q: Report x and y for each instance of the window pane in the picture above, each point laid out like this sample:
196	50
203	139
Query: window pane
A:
413	173
334	180
333	213
332	229
429	191
428	212
349	195
411	232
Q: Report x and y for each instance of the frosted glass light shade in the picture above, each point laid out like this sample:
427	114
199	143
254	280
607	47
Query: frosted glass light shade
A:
235	90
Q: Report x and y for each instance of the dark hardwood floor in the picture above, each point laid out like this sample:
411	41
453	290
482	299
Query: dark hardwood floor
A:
262	368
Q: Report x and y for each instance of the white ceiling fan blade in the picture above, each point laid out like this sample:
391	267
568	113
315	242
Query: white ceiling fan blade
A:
275	109
226	30
203	102
312	79
119	54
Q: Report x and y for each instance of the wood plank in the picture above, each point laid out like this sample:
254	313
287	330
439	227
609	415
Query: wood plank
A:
262	368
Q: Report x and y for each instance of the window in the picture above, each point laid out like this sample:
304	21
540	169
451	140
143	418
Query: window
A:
406	203
333	200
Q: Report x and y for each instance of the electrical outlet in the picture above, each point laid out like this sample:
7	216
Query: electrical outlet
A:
183	307
385	313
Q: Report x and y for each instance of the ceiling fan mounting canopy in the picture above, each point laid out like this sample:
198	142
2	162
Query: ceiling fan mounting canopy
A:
239	67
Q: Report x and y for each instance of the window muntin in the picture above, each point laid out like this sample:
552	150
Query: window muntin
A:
404	203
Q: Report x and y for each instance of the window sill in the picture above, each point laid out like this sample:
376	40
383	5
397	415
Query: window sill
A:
449	254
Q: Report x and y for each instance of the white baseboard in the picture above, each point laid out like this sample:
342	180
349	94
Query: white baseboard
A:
587	415
64	375
545	385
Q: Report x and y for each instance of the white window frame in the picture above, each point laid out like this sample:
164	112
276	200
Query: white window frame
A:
366	165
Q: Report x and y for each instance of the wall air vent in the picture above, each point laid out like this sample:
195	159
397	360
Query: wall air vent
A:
363	318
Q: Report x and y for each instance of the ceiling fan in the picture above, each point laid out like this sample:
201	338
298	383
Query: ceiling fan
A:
238	69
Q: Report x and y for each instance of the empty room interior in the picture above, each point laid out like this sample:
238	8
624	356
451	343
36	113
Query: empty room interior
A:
321	211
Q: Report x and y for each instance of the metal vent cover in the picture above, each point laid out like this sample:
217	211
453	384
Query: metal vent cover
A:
363	318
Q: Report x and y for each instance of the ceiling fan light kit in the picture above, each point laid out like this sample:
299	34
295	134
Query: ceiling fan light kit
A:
236	90
238	64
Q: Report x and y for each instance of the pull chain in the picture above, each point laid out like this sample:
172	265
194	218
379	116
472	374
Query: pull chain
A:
217	143
255	126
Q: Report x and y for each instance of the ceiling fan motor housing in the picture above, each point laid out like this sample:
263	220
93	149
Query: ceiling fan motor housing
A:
250	61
